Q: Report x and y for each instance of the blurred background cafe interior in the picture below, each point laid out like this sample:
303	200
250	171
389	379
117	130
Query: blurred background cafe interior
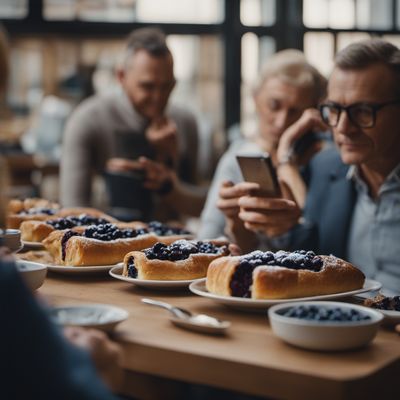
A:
62	51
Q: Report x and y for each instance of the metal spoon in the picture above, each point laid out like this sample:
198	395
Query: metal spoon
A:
185	319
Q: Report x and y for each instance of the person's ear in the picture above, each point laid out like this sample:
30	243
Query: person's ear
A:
120	73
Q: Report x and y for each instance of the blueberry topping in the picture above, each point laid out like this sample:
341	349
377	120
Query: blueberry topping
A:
299	259
181	250
72	221
388	303
107	232
38	210
64	240
320	313
165	230
242	279
132	271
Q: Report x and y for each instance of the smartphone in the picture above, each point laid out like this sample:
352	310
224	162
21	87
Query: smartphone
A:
259	169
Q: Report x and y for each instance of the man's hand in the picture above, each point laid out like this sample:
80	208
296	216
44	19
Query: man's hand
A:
162	134
106	355
229	194
271	216
310	121
122	165
157	175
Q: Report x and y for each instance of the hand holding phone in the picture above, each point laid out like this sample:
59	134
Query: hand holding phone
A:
259	169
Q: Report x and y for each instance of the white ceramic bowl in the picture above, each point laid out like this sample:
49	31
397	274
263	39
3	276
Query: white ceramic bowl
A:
324	335
11	238
33	273
99	316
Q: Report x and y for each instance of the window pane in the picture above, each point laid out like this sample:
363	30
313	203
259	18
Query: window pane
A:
372	14
344	39
13	8
398	14
341	14
185	11
90	10
338	14
255	51
315	13
257	12
179	11
319	50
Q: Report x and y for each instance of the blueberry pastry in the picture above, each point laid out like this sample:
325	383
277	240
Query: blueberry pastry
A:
282	275
37	231
102	244
43	212
181	260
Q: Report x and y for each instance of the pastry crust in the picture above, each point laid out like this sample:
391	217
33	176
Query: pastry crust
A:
37	231
193	267
81	251
15	205
14	221
276	282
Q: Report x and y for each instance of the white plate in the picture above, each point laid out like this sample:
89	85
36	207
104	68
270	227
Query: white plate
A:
199	287
32	245
116	272
391	317
69	269
99	316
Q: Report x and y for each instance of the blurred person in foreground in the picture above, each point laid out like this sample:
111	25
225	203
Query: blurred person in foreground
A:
146	146
352	209
38	361
286	96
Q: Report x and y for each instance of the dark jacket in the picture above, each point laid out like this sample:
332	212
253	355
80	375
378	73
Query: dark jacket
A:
35	361
329	207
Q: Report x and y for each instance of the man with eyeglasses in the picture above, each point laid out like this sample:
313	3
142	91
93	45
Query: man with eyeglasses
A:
352	209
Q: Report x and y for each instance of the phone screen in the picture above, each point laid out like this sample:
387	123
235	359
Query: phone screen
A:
259	169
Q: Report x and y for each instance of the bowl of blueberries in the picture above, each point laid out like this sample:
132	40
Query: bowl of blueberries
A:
324	325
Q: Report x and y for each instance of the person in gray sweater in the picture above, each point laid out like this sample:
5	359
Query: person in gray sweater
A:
144	146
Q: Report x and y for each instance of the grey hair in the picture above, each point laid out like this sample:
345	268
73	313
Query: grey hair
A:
291	67
152	40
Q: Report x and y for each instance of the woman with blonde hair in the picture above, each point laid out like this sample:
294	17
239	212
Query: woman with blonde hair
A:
286	96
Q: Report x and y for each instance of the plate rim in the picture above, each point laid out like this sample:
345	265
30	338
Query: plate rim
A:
35	245
124	313
255	303
77	269
147	282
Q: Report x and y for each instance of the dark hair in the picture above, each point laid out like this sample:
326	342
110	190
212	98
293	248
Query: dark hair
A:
153	40
363	54
367	52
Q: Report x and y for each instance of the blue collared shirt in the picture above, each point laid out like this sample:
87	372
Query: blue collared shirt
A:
374	237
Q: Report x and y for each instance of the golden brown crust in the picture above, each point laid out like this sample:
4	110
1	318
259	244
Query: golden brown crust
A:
193	267
272	282
14	221
219	275
81	251
35	231
15	205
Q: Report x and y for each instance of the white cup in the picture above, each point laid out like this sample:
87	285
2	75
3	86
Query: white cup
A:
11	238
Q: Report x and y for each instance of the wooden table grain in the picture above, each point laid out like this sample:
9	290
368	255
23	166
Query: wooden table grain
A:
250	359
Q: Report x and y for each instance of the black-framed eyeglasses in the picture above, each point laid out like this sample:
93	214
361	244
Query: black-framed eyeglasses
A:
362	115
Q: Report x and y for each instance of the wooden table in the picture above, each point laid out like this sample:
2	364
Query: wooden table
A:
250	359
